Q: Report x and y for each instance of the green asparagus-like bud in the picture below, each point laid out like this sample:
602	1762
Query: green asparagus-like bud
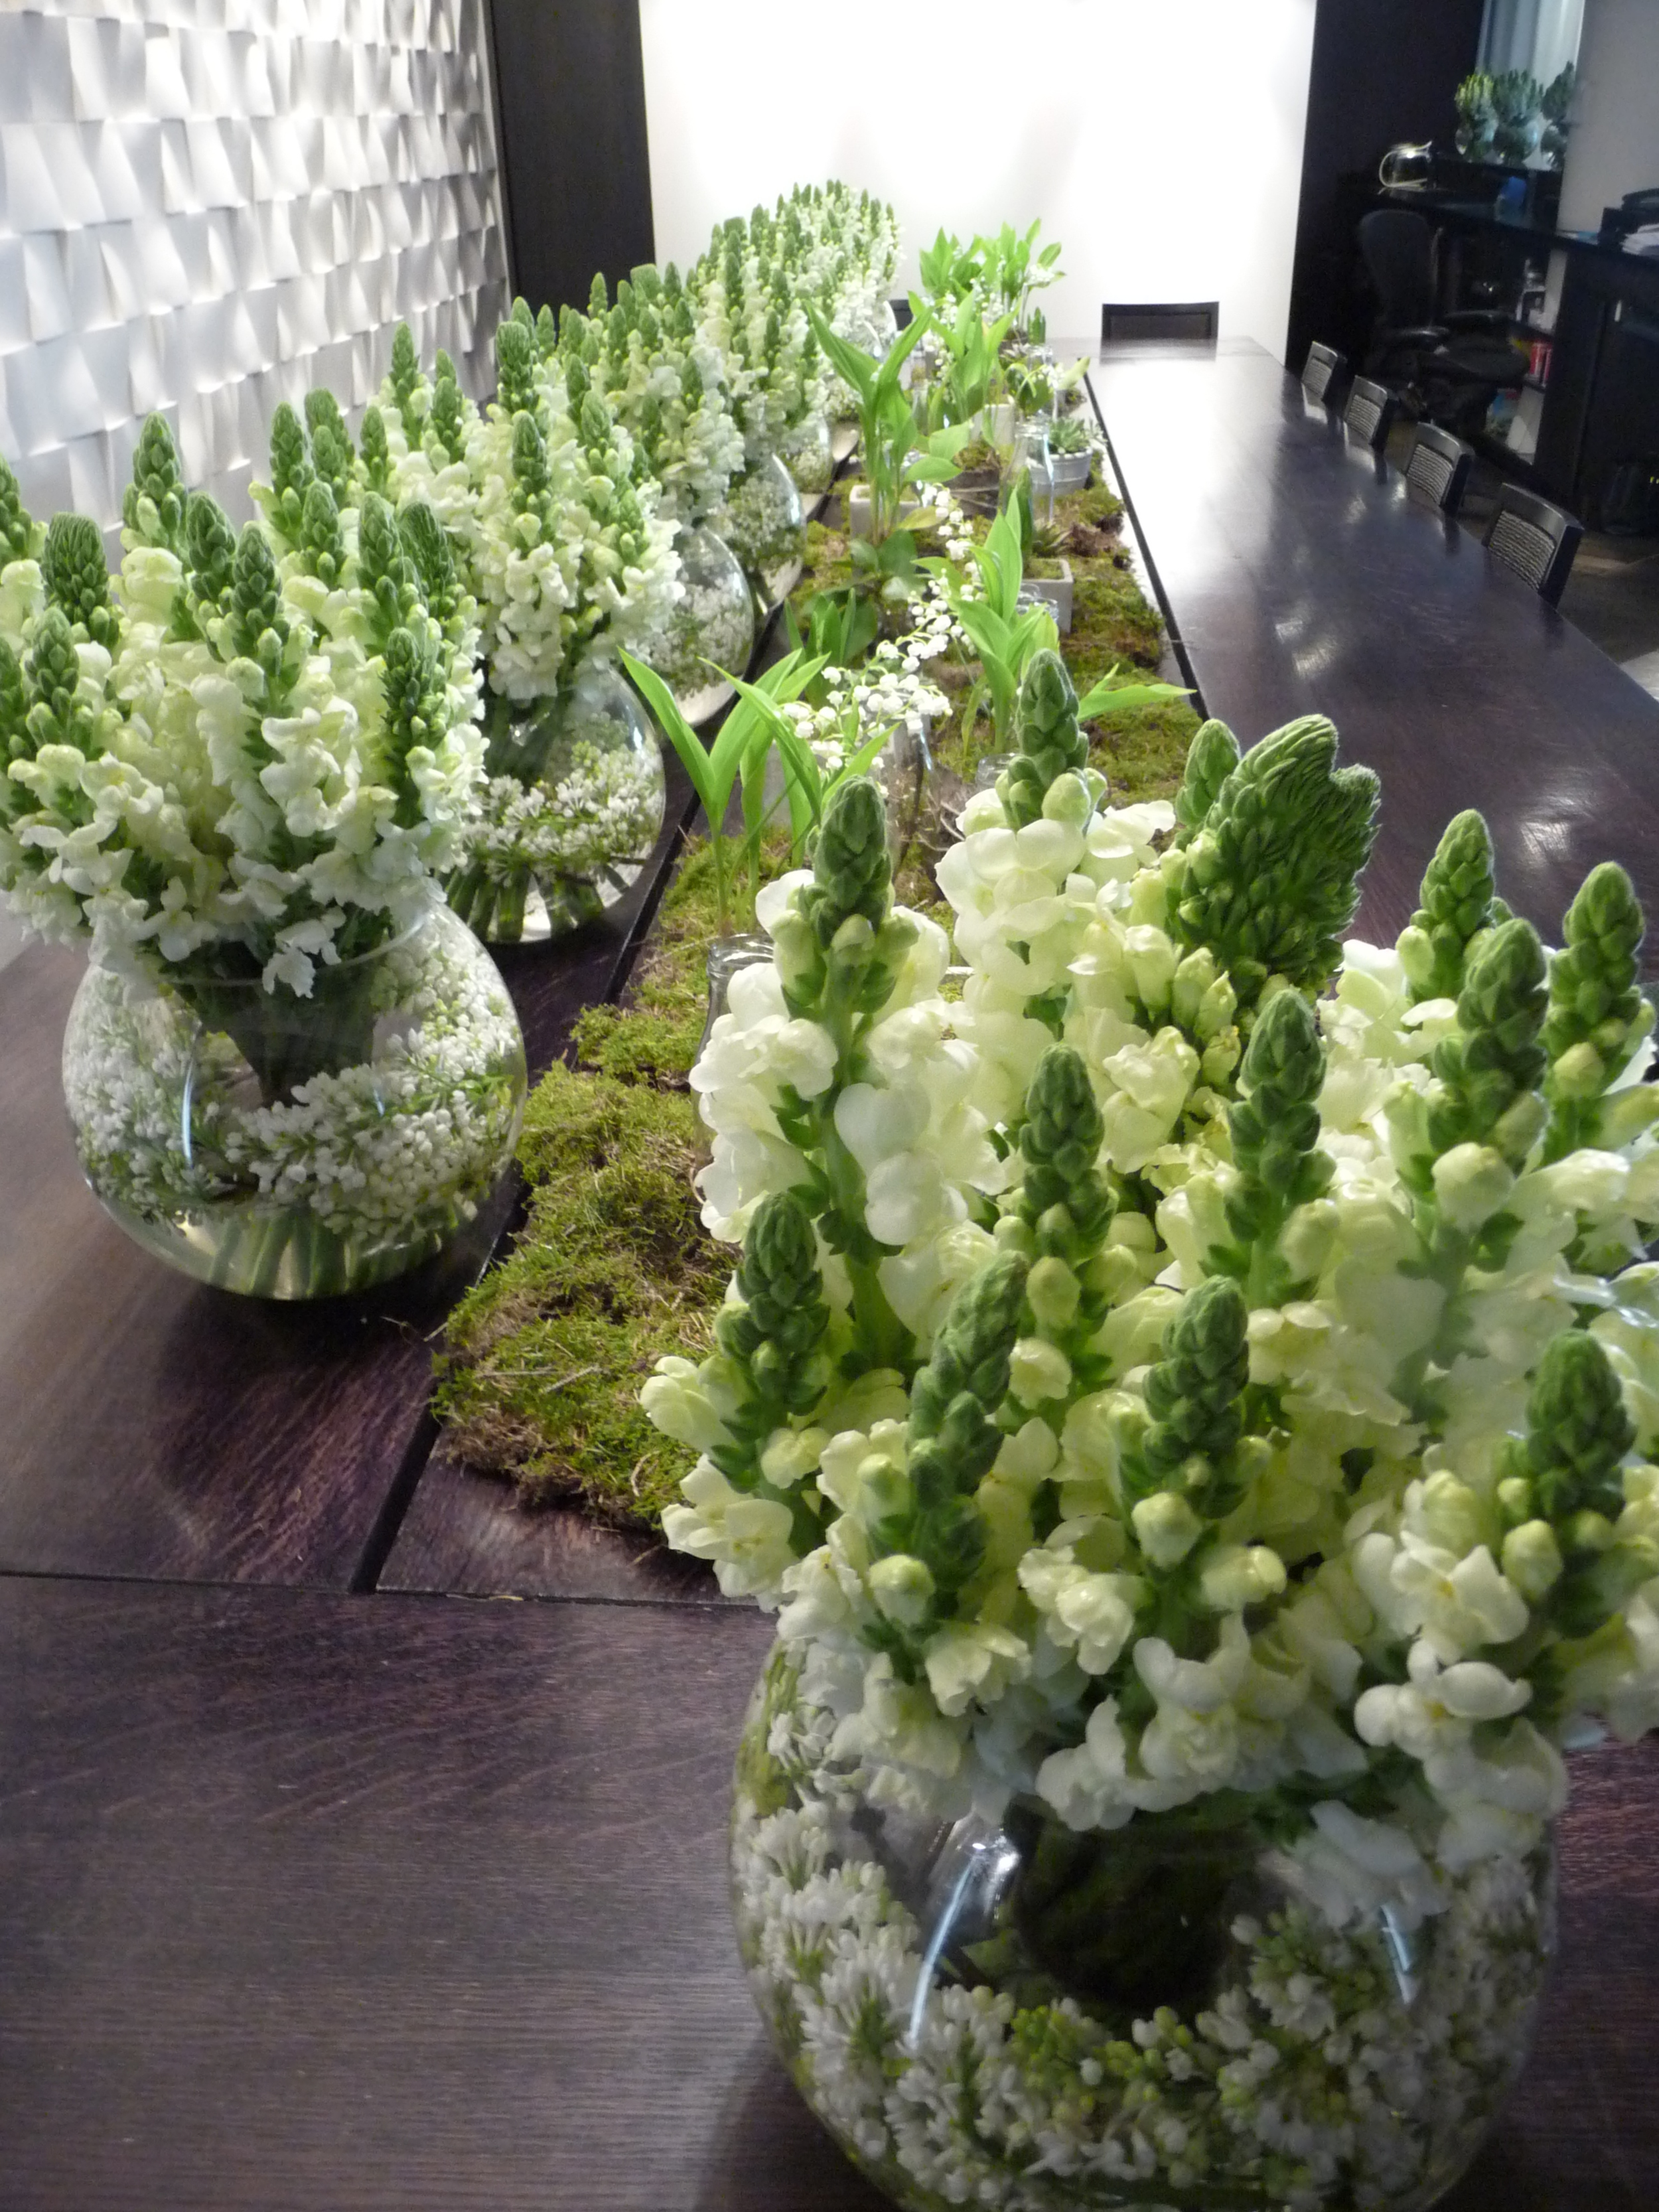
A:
375	456
415	715
1272	880
573	329
448	420
153	508
405	368
650	330
852	874
427	544
1457	899
1275	1136
211	549
13	716
21	536
385	572
292	474
322	407
532	481
618	330
258	627
547	334
1491	1067
1194	1400
777	1332
1050	743
598	298
53	674
515	369
1059	1140
673	285
322	547
76	577
594	422
691	386
1578	1430
330	449
648	280
1211	758
521	313
443	370
1597	1016
577	383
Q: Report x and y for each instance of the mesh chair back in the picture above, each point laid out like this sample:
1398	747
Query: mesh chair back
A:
1370	410
1535	539
1439	467
1398	250
1321	366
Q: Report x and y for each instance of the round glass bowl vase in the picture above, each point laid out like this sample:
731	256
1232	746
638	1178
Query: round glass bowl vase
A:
764	523
573	808
1021	2017
806	451
713	625
290	1147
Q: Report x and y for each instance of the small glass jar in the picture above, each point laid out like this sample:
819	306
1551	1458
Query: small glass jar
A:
726	955
290	1147
1019	2016
712	627
805	451
572	811
1030	457
763	524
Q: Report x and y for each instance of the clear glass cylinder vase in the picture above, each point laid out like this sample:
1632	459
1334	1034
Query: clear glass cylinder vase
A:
290	1147
726	957
713	626
573	808
806	451
1014	2016
764	523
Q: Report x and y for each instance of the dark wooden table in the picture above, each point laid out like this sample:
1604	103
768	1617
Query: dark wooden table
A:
325	1886
1300	577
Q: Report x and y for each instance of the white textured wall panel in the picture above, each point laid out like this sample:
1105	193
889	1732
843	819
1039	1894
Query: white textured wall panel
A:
207	206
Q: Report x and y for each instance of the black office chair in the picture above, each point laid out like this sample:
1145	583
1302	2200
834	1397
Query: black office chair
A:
1439	467
1369	412
1323	368
1446	367
1535	539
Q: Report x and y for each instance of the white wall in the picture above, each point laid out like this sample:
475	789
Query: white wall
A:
1614	146
1159	140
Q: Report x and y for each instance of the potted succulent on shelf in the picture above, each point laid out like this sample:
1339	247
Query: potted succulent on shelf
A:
241	774
1071	453
1190	1401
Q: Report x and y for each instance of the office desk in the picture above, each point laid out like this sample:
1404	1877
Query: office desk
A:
1302	578
320	1895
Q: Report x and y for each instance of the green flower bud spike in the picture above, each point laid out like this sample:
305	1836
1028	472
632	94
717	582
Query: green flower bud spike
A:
1275	1132
521	313
953	1434
292	475
405	368
53	674
1270	880
330	449
427	544
515	369
385	572
1578	1430
1490	1070
533	485
258	627
375	458
415	715
777	1333
153	508
76	577
443	370
1211	758
1050	743
1068	1207
210	554
1194	1403
1458	905
852	874
1597	1017
547	334
13	719
21	536
448	420
323	408
322	547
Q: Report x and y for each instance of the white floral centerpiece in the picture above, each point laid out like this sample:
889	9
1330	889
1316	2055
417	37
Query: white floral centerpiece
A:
238	772
1190	1401
562	542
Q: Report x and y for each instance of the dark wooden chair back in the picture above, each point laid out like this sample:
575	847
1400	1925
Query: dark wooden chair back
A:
1369	412
1323	367
1439	467
1536	540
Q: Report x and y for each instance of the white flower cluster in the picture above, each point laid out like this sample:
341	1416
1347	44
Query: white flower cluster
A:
603	813
242	757
1328	2066
1285	1463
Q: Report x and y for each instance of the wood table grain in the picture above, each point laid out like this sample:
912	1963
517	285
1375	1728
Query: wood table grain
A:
323	1904
1301	577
